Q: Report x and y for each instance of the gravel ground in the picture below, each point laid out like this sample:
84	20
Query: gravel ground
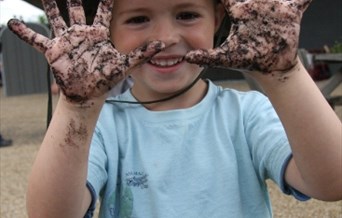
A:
23	119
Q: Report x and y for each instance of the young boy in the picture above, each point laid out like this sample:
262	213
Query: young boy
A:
204	153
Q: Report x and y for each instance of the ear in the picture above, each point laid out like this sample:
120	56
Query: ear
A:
220	12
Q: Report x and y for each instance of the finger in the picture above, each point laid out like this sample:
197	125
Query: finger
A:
143	53
104	13
36	40
210	57
57	23
76	12
226	3
304	4
134	58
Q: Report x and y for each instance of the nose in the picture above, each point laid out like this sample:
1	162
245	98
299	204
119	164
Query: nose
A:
166	31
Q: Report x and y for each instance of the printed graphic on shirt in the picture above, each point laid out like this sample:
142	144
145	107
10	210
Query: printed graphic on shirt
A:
136	179
111	205
126	203
122	207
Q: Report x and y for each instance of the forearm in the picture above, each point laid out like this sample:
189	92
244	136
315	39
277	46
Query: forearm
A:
313	130
57	184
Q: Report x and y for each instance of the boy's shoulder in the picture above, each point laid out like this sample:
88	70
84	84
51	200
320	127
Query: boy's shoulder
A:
241	96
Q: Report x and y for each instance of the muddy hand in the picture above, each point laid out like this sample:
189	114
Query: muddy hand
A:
263	37
83	60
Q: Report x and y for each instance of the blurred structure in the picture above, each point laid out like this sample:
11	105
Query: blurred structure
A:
24	70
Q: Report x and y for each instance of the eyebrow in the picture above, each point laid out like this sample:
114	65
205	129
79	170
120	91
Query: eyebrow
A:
193	5
185	5
135	10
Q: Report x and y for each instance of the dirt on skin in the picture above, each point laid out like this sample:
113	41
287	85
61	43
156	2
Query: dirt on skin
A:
263	36
23	119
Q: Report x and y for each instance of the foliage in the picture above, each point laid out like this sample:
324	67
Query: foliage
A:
42	19
336	48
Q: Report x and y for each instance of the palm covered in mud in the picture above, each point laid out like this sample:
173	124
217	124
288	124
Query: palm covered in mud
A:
264	36
83	60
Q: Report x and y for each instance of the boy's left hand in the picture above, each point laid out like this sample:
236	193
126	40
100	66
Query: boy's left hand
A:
263	37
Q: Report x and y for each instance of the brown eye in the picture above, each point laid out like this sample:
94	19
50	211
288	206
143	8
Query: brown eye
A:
137	20
187	16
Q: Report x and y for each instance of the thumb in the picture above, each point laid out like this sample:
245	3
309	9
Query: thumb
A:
143	53
208	57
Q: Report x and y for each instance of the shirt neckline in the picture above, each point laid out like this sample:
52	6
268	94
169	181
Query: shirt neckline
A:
169	115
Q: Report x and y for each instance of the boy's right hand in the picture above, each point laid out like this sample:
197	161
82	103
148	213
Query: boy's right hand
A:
83	60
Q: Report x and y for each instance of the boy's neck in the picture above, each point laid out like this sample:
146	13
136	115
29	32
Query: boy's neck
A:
185	100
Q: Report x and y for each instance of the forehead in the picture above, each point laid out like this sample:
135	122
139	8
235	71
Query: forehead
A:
160	4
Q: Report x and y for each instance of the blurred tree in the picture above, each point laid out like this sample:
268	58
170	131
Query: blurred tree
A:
42	19
337	47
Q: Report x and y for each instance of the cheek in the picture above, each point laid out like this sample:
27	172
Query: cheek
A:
202	41
201	37
125	42
126	45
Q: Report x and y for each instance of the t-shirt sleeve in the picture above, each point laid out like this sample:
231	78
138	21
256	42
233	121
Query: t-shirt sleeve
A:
92	207
269	145
97	173
287	189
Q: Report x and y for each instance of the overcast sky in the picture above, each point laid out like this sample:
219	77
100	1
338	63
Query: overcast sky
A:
18	9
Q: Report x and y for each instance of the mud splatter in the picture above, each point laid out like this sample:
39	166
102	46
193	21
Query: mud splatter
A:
76	135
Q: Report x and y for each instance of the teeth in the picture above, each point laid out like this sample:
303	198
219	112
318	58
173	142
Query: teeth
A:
166	63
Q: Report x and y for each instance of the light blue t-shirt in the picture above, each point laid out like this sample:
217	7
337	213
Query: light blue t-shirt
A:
210	160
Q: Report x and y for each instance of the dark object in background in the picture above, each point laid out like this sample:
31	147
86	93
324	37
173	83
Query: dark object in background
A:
320	71
5	142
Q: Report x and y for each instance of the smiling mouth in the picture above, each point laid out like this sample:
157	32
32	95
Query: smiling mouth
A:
166	62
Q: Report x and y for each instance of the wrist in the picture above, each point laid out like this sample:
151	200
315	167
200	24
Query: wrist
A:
91	106
278	79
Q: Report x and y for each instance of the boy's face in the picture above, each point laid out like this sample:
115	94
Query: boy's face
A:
183	25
